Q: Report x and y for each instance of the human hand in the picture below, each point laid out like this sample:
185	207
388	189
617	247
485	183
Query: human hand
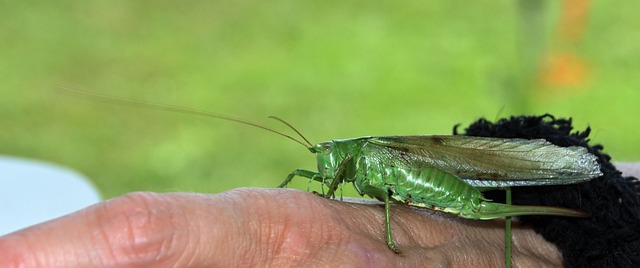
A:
263	227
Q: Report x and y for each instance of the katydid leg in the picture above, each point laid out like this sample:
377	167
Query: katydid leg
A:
387	225
301	173
507	231
339	176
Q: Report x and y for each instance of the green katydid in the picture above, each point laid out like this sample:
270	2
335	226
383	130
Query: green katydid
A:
437	172
449	173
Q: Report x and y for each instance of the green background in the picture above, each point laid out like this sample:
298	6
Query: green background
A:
333	69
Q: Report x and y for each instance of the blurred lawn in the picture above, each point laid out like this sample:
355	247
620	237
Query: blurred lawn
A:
333	69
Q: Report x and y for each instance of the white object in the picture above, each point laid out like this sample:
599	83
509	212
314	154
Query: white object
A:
33	191
629	168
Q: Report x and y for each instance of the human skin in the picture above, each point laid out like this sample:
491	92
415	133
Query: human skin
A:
251	227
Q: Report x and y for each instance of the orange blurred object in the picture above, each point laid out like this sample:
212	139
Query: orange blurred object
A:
573	20
563	70
562	67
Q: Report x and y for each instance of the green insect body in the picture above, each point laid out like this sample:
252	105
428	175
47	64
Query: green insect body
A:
449	173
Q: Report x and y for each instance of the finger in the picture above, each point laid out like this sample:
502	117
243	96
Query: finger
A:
248	227
245	226
133	230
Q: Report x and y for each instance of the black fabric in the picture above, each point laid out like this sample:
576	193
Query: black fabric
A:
611	237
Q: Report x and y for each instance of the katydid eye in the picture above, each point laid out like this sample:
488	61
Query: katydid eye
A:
326	148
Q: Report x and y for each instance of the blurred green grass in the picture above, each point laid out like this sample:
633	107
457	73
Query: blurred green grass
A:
333	69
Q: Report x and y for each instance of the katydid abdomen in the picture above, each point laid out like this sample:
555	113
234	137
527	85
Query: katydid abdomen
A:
437	190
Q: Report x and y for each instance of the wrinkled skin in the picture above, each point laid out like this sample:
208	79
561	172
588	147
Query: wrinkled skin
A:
251	227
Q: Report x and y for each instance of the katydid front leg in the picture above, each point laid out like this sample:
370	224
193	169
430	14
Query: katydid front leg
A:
301	173
339	178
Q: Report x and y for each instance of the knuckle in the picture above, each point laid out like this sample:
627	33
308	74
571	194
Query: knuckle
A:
142	228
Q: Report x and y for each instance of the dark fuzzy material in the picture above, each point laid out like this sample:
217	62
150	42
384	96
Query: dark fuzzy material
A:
611	237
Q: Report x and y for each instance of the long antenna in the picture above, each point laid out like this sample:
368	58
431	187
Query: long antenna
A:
176	109
291	127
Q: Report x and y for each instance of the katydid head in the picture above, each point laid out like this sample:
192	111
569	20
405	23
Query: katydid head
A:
336	158
327	158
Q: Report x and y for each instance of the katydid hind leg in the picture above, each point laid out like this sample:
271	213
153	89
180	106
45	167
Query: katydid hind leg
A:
507	232
489	210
